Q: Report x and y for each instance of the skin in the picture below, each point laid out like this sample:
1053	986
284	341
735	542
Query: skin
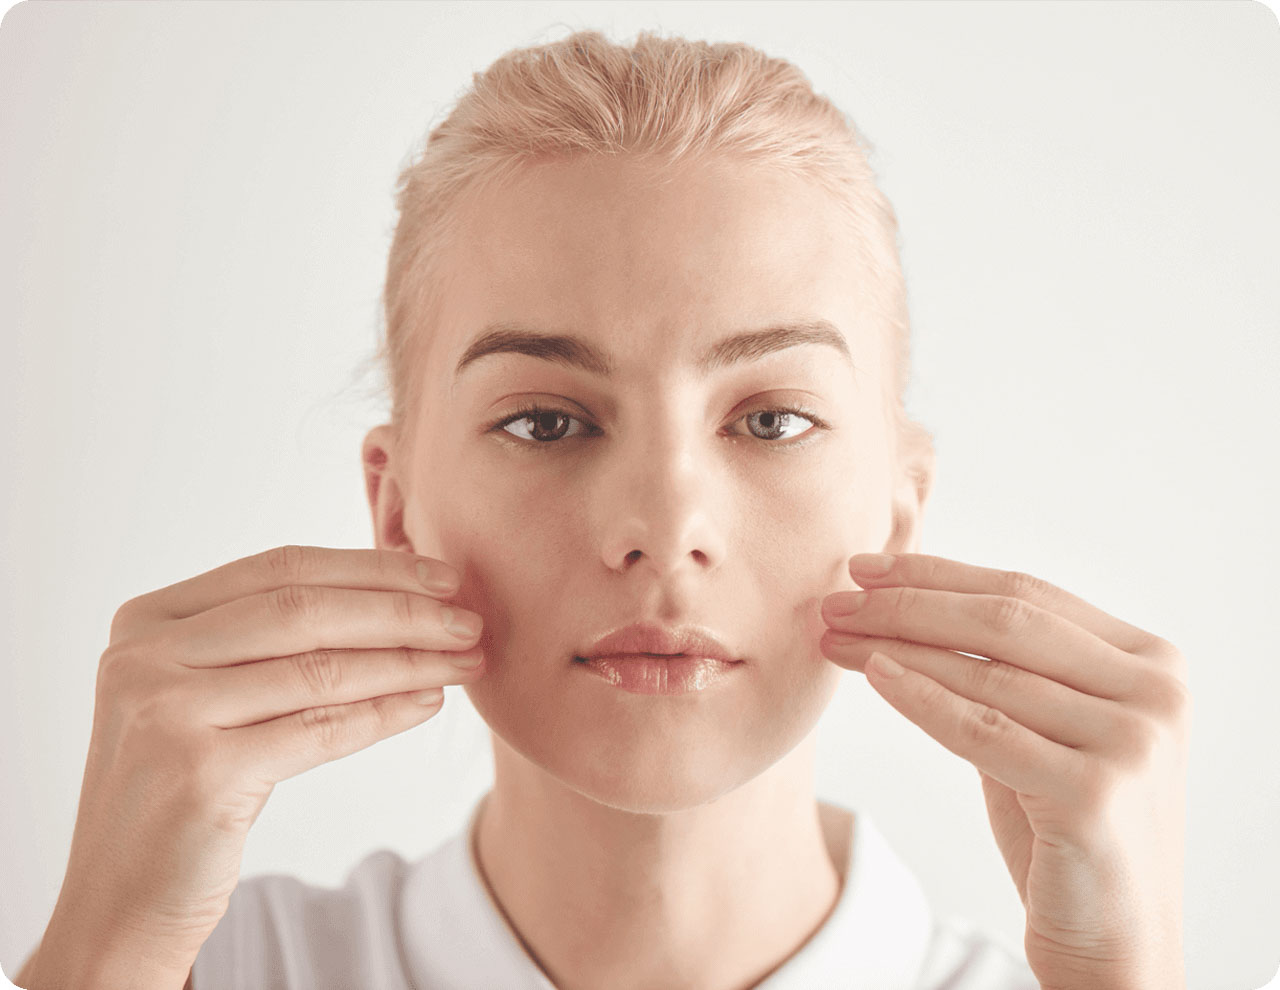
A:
1079	726
638	841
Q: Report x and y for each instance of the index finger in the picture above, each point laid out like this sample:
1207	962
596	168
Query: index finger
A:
337	567
923	570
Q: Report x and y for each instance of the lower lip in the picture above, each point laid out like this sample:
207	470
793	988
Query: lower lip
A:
640	673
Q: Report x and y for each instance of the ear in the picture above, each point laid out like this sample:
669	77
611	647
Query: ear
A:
386	499
912	486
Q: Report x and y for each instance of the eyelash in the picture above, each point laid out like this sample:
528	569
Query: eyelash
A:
530	409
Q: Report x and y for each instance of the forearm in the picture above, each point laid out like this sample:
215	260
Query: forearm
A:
64	974
1152	959
1171	982
1169	974
71	959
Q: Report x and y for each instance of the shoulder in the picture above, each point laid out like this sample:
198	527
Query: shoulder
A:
960	956
282	932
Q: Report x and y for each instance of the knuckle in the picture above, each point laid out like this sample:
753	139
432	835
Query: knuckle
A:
324	726
1167	696
904	598
295	602
120	670
1165	652
1134	738
408	608
930	569
319	672
114	657
1006	615
1175	662
387	709
285	563
993	678
1183	703
984	725
130	606
391	564
1019	584
125	616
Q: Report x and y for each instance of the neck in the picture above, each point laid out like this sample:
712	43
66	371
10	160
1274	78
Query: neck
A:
717	895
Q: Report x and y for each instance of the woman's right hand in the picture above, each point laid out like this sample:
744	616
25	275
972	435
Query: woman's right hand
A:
215	688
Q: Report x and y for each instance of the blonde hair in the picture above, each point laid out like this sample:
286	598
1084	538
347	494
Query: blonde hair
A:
670	100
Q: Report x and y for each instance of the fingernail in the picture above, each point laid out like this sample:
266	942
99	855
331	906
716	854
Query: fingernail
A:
468	660
883	666
431	696
462	624
871	564
846	602
437	579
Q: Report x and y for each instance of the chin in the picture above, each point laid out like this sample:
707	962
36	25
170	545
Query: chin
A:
657	788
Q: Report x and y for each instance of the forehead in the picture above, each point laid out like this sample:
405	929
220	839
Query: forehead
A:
653	266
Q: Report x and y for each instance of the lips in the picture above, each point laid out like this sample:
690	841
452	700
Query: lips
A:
659	641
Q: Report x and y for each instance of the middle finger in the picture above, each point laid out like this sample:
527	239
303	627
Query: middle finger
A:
1047	707
302	618
995	626
249	693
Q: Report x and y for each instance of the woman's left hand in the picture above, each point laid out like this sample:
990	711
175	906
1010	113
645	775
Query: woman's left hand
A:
1078	725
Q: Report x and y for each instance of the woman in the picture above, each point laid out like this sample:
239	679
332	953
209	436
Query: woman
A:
647	344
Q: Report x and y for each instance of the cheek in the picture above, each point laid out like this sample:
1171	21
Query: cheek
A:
513	588
495	528
518	510
512	540
800	554
798	565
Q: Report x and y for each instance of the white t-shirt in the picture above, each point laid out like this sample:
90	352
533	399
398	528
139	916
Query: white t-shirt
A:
432	925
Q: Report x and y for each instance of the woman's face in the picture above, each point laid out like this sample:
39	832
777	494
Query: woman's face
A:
665	491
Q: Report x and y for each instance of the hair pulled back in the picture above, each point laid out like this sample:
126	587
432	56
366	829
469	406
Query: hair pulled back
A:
671	100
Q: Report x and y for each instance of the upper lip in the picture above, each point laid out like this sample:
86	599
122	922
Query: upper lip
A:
648	637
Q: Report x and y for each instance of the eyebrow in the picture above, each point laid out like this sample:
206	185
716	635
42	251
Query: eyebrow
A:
507	337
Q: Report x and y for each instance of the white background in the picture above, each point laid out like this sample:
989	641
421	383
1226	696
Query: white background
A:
195	211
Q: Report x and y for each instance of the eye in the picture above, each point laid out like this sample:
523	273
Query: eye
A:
775	422
549	424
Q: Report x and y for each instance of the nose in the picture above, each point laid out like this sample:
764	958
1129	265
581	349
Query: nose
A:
658	501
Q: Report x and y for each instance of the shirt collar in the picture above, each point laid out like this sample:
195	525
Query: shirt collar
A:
875	938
